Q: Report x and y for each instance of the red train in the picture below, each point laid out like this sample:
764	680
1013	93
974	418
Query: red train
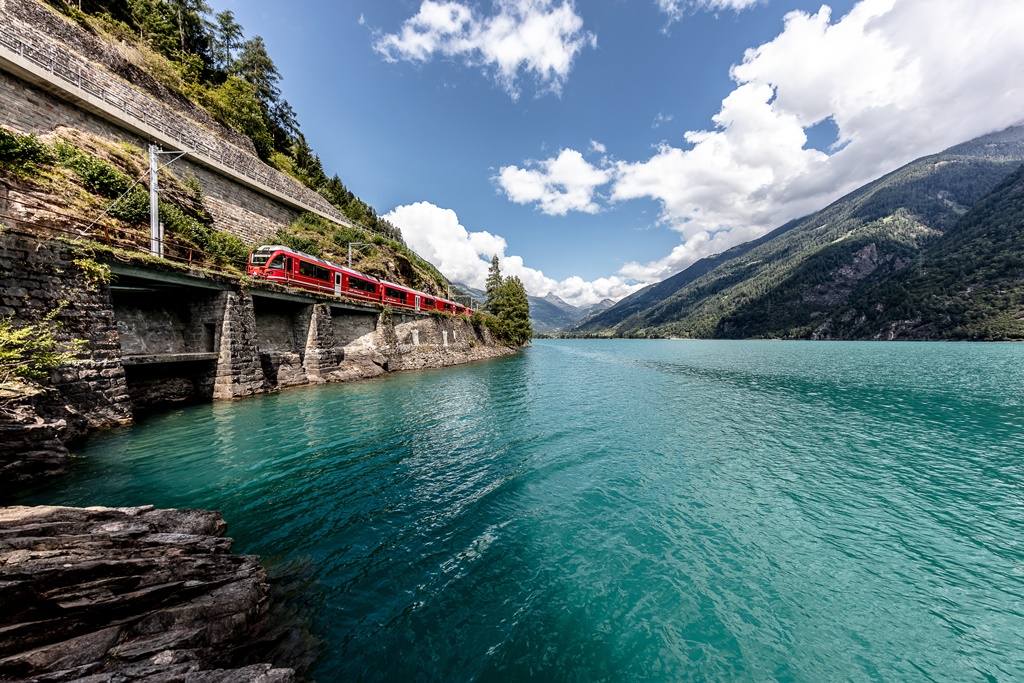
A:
281	264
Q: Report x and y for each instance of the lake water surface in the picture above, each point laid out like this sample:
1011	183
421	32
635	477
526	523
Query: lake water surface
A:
625	511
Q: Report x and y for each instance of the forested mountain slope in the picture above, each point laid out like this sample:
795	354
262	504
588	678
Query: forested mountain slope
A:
786	284
969	285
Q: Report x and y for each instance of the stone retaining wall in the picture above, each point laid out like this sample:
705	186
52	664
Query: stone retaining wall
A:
38	277
45	42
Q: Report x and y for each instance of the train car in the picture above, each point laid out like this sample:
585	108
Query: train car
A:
278	263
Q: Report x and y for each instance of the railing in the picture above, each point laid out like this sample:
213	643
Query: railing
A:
134	104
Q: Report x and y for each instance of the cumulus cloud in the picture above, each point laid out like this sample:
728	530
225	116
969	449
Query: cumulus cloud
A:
436	234
898	79
557	185
596	146
538	37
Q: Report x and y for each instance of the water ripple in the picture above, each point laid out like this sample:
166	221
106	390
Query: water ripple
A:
625	511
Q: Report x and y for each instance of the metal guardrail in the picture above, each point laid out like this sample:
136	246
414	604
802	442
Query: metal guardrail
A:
85	77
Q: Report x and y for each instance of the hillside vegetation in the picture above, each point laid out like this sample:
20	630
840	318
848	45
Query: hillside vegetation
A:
789	283
969	285
91	183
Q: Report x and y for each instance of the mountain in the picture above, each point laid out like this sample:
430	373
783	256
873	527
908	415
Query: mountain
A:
968	285
548	314
791	281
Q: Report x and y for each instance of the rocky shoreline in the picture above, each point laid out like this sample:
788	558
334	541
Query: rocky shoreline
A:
129	594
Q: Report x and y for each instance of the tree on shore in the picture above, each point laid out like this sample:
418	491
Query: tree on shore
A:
509	308
493	287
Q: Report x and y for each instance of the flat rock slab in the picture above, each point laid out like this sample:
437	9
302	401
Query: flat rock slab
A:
127	594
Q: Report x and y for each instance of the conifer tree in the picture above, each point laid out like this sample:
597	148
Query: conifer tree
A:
493	287
515	312
228	39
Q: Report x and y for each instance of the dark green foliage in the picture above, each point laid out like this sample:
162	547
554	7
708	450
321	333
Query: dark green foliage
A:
132	207
235	103
226	248
969	285
227	39
22	152
309	245
493	287
509	307
131	200
98	176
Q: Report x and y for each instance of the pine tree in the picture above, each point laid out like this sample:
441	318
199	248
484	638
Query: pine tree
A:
493	288
228	39
515	312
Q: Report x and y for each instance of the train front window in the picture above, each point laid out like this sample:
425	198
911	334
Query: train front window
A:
276	264
258	259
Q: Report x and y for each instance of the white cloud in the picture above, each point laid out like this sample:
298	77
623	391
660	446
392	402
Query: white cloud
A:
436	234
660	119
596	146
899	78
557	185
538	37
362	20
676	9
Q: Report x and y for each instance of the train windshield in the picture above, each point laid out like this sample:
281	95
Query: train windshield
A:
259	257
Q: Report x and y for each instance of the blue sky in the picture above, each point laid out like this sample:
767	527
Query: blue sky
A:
600	145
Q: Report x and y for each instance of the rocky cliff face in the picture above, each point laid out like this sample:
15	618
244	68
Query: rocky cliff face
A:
126	594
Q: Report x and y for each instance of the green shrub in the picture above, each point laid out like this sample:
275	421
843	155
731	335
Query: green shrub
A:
191	183
312	222
179	223
344	235
299	243
32	351
133	207
226	248
22	152
100	177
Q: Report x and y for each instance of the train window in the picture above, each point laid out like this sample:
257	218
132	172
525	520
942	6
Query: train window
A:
276	264
394	293
361	285
429	303
258	259
312	270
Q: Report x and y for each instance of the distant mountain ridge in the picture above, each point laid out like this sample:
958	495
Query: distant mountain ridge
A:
797	281
548	314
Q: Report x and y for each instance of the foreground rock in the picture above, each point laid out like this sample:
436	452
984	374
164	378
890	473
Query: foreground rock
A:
127	594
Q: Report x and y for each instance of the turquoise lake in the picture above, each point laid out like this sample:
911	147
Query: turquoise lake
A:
624	511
